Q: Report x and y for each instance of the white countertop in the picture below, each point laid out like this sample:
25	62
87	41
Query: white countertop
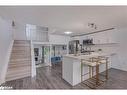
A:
80	56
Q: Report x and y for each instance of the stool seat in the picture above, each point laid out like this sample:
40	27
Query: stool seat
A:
85	62
102	61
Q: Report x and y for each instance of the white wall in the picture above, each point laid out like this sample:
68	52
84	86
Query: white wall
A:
120	60
58	39
5	46
20	31
59	51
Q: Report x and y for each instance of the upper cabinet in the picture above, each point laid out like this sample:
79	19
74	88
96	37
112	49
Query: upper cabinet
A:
111	36
107	37
104	37
99	38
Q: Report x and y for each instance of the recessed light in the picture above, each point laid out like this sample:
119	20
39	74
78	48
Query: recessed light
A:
68	32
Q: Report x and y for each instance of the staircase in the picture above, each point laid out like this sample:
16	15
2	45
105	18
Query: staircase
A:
20	61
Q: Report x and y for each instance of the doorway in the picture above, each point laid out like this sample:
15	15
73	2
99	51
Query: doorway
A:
42	55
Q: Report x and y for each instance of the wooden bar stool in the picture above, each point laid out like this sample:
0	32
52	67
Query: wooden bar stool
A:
92	63
104	60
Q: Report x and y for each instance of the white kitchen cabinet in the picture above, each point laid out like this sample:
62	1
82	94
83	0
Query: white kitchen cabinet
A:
96	39
99	38
103	37
111	36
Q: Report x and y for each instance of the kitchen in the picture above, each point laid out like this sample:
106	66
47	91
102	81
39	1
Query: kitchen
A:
87	47
74	47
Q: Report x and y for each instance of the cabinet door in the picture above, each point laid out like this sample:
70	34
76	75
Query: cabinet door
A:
100	38
111	36
103	37
96	38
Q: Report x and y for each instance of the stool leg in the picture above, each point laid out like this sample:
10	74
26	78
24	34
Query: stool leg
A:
89	71
81	71
106	68
92	71
97	74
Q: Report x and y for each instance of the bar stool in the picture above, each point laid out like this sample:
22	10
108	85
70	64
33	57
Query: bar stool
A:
104	60
92	63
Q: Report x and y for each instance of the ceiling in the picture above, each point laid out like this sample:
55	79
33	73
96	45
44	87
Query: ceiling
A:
68	18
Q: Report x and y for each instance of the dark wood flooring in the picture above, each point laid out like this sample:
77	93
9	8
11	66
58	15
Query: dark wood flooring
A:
50	78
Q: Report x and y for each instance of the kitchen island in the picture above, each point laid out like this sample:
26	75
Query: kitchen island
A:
71	67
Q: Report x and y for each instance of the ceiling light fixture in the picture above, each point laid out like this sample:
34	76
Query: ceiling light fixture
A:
68	32
92	25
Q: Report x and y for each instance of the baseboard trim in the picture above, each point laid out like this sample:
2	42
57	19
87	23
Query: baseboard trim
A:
119	69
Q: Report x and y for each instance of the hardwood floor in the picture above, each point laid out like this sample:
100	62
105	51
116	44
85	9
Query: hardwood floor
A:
50	78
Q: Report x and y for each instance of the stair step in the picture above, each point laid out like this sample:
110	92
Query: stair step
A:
19	45
14	65
19	60
18	71
20	63
9	78
21	48
18	74
19	56
21	51
21	42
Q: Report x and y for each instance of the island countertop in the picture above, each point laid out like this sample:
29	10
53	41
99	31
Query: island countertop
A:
82	56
